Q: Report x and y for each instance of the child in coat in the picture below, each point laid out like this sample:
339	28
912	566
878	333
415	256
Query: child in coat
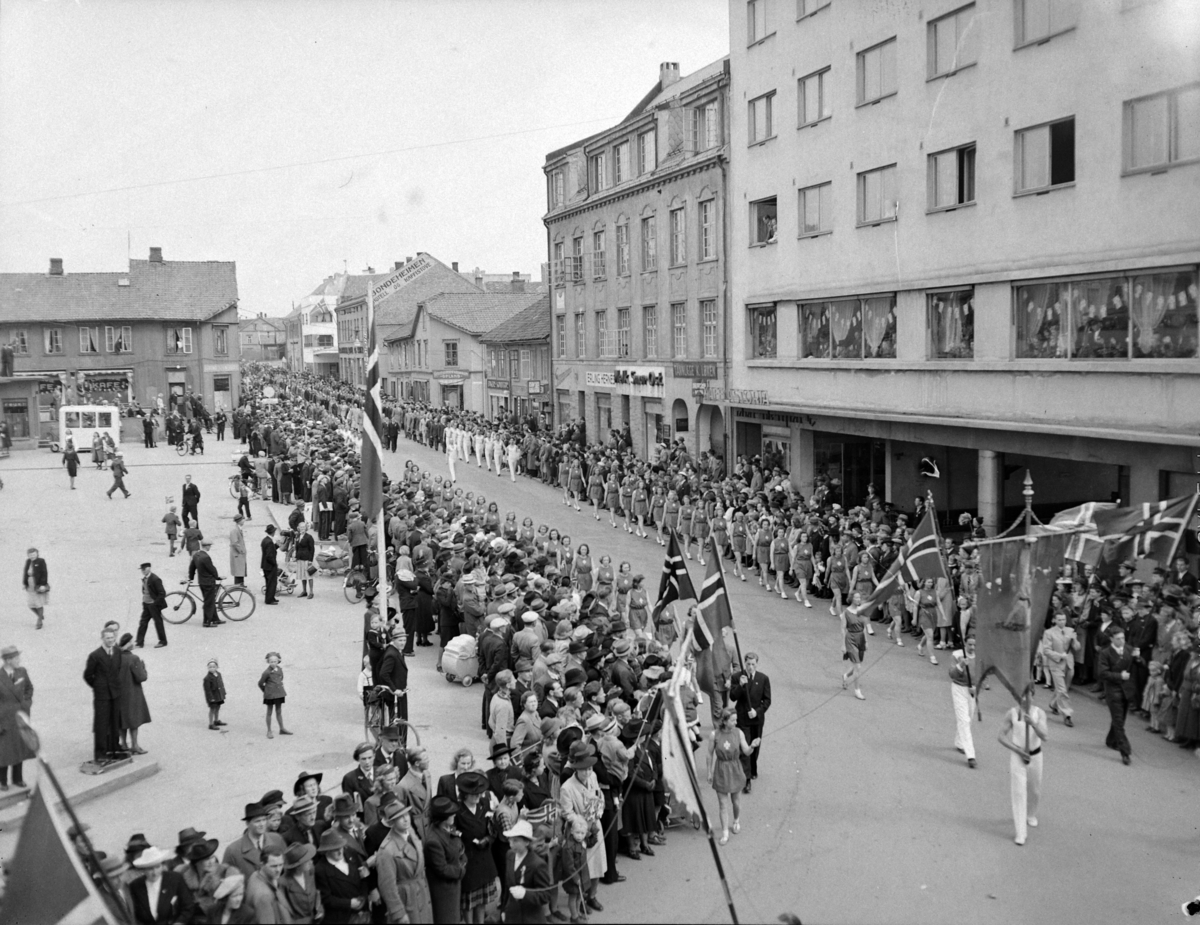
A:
1155	696
271	684
171	519
214	694
573	870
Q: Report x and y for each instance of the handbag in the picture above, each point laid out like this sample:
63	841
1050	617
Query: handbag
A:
312	569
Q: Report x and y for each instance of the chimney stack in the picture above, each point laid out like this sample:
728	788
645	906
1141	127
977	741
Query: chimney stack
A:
668	73
156	255
518	284
397	265
454	266
407	261
56	266
479	277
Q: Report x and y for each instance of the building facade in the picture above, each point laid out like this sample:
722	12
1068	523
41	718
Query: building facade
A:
163	327
956	254
637	237
311	329
518	365
263	339
439	357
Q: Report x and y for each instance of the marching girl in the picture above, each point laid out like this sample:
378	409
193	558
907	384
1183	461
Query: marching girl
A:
526	535
595	490
612	497
658	501
491	520
510	527
581	570
543	537
566	555
802	567
553	546
574	482
862	580
719	532
739	540
699	530
670	517
780	560
686	513
639	603
627	502
641	507
624	587
762	550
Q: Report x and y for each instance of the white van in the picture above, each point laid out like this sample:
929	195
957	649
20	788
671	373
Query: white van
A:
80	422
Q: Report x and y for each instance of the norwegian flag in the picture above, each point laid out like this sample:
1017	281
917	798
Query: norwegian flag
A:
921	558
713	660
1146	531
676	584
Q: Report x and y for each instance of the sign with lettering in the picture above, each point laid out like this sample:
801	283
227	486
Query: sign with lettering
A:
450	376
536	387
604	380
714	393
692	369
501	384
640	380
402	277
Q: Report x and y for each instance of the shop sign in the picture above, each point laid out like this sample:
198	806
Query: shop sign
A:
778	416
101	382
691	369
499	384
640	380
450	377
604	380
536	387
733	396
402	277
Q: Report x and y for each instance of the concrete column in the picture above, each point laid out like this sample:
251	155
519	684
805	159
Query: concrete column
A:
1143	484
802	460
991	489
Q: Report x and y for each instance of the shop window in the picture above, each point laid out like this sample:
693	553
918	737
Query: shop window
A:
849	329
952	325
763	221
763	333
879	328
814	331
16	416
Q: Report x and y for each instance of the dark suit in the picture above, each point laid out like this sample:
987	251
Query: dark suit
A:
357	782
338	889
270	567
393	674
103	675
398	760
754	694
175	901
534	875
153	610
1118	693
202	570
191	502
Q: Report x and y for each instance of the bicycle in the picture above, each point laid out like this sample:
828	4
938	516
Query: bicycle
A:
357	586
234	602
375	699
235	486
184	446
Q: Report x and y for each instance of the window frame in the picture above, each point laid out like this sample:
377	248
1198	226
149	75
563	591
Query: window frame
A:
602	336
860	74
559	251
931	348
650	331
708	230
50	338
708	328
560	338
624	334
931	205
1172	131
860	303
705	128
823	97
599	259
752	120
111	342
220	334
754	222
644	148
649	254
577	259
752	36
446	351
678	329
1019	41
801	199
860	180
557	188
185	341
93	332
580	337
598	171
622	150
803	13
1018	159
677	225
19	338
526	363
622	231
932	73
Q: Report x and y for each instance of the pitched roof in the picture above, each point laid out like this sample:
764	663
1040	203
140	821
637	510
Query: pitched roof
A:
474	312
533	323
356	286
174	290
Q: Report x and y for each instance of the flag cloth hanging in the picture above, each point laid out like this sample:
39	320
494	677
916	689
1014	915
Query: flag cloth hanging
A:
1016	580
920	558
676	583
1080	521
677	752
371	485
713	660
46	879
1149	531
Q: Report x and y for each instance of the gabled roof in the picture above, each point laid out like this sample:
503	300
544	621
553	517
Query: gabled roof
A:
473	312
356	286
173	290
531	324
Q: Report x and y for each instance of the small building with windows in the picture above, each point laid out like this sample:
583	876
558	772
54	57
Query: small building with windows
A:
162	327
518	366
963	245
637	235
263	339
439	357
311	329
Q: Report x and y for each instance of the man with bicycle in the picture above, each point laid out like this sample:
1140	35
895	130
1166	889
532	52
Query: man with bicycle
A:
205	574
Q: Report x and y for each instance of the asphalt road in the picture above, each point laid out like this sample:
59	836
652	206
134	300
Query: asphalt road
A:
863	812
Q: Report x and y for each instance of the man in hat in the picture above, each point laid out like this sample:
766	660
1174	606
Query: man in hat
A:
118	473
134	847
103	675
399	857
393	675
202	872
525	645
361	780
202	570
493	658
16	696
445	860
264	892
581	801
621	674
191	500
154	602
187	838
247	852
388	752
346	822
299	885
160	895
270	565
237	549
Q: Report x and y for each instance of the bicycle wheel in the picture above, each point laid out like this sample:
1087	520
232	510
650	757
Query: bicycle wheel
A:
353	591
236	603
181	448
180	607
233	491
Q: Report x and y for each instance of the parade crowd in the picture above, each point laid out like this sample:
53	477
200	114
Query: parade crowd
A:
571	656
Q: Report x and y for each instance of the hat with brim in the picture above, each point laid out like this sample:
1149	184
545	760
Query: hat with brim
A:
521	829
302	805
113	866
305	775
255	811
622	647
442	808
343	806
297	855
395	811
332	840
390	732
152	857
205	848
144	565
471	783
499	751
595	722
580	756
9	652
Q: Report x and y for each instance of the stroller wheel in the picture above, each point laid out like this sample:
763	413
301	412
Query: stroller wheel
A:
467	681
451	678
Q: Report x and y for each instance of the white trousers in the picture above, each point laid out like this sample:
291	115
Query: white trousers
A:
498	458
479	451
450	462
964	705
513	456
1026	780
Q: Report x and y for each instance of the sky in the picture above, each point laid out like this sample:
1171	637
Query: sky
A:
301	138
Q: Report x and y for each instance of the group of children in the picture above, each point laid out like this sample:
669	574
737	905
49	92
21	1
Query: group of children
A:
270	683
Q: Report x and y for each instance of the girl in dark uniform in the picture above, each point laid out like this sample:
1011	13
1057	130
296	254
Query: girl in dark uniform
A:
686	512
780	560
658	501
612	497
802	567
670	517
699	530
737	539
641	507
762	551
595	491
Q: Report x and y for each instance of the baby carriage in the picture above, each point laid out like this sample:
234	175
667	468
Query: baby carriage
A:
331	560
460	661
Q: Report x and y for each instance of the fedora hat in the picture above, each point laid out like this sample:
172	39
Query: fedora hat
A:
390	732
442	808
305	775
595	722
297	855
302	805
622	646
255	811
152	857
188	837
471	783
137	842
395	811
343	805
581	755
199	850
331	840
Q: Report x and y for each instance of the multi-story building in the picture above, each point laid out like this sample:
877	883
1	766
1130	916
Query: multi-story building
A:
964	244
636	228
518	365
162	327
438	357
312	331
263	339
410	282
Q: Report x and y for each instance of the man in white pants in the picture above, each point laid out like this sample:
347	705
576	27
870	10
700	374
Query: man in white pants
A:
514	453
498	453
962	694
1024	729
479	444
451	452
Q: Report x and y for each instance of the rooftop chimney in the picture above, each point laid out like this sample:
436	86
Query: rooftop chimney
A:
518	284
454	266
479	277
156	255
56	266
408	260
668	73
397	265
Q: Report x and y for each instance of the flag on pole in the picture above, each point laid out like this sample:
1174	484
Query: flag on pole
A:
713	658
1149	531
371	486
47	881
1016	580
676	583
677	755
1080	521
920	558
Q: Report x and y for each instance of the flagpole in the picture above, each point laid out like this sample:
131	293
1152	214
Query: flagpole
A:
375	423
716	553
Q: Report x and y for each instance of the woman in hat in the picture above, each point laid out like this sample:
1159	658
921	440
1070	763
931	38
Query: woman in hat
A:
173	900
445	861
480	885
229	902
132	710
526	876
580	801
340	880
16	696
203	873
527	735
726	745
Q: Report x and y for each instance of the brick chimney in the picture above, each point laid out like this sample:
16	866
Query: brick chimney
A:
56	266
156	255
518	284
454	266
397	265
479	277
668	73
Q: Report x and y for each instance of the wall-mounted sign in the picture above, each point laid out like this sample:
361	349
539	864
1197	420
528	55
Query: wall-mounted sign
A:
501	384
450	376
692	369
604	380
402	277
536	387
640	380
733	396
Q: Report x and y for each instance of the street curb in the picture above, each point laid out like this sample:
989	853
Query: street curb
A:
89	794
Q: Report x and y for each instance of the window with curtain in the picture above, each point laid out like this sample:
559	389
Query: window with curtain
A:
623	249
1099	319
764	338
845	329
1163	309
89	340
814	330
879	328
1039	317
952	324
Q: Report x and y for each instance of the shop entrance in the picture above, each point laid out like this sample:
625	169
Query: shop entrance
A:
849	464
222	394
452	397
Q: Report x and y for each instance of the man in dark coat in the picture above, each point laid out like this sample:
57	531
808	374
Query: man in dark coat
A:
1115	670
344	895
174	901
191	500
751	694
362	779
34	578
270	565
445	860
103	675
393	674
202	571
154	602
16	696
